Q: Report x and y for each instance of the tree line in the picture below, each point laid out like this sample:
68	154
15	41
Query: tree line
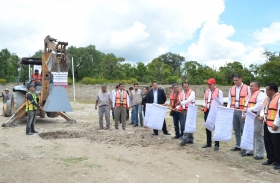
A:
93	66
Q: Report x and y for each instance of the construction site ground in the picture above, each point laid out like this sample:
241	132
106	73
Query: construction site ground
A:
79	152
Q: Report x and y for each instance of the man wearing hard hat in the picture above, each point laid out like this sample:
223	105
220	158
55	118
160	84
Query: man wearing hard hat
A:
6	95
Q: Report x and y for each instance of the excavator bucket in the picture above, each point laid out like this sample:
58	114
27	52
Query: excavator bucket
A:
55	65
57	101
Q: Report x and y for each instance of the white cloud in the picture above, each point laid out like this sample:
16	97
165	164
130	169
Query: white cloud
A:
133	35
136	30
215	48
269	35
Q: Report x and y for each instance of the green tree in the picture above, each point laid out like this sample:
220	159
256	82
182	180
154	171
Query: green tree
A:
158	71
9	67
175	61
270	70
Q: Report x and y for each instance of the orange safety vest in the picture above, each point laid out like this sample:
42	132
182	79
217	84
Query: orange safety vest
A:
215	93
272	110
242	94
253	100
118	99
187	95
173	100
36	78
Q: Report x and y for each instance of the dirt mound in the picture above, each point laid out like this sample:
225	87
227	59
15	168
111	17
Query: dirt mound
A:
59	135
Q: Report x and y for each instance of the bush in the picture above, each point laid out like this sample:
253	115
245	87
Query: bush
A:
3	81
88	81
70	81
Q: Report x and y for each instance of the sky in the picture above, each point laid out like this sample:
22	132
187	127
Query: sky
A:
212	32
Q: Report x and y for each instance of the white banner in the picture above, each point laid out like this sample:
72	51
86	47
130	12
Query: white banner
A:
247	140
190	125
154	116
60	79
223	124
211	118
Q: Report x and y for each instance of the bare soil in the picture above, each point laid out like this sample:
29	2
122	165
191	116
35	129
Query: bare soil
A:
79	152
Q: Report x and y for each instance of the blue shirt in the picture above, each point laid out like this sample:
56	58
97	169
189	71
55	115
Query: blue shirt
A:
155	96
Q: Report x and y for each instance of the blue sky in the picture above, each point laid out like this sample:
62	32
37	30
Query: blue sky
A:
212	32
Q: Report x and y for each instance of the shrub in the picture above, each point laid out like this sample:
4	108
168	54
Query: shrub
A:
3	81
70	81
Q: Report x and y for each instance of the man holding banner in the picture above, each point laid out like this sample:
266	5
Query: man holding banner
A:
236	100
157	96
187	96
271	117
176	114
254	103
209	95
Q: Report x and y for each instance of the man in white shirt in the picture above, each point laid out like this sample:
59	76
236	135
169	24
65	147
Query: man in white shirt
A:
270	115
208	99
254	103
187	97
120	102
113	92
236	100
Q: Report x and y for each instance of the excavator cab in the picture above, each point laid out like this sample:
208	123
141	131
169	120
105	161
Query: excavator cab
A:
54	99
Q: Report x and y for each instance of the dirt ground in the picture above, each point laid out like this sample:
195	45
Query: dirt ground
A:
64	152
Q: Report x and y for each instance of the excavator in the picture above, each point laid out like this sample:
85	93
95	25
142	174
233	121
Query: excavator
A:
53	99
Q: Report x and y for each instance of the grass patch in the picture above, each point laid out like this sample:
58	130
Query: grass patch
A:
93	166
5	145
197	158
73	160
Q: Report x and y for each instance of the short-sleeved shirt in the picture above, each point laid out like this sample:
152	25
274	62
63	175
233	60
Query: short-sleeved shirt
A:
104	98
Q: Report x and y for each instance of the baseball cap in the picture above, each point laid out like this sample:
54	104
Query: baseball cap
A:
211	81
6	89
36	70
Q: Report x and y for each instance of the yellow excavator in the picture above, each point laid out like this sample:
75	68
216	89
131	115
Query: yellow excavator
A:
54	99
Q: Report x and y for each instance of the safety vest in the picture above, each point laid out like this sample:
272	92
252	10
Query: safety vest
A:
187	95
173	100
29	106
118	99
252	100
272	110
36	78
215	93
242	94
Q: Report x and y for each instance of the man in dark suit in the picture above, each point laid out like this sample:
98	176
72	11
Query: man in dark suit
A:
157	96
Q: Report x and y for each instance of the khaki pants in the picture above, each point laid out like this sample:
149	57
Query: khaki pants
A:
120	112
105	109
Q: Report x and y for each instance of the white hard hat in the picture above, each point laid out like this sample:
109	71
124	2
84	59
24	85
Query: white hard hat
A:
6	89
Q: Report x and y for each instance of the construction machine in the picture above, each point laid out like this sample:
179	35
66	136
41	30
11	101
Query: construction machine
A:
54	99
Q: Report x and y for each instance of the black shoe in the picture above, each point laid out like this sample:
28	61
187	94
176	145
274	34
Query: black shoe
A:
29	133
277	167
35	132
167	133
182	143
236	149
206	145
155	133
175	137
135	125
268	163
258	157
246	154
189	142
216	148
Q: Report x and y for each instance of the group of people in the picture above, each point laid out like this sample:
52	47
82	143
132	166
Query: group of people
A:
241	98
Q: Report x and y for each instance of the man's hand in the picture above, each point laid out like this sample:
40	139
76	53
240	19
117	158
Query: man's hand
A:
243	118
112	108
127	108
260	118
95	107
178	103
40	108
142	106
274	128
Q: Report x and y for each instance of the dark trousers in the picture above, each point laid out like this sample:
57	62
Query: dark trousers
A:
144	110
31	121
272	145
209	133
178	117
164	129
113	114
